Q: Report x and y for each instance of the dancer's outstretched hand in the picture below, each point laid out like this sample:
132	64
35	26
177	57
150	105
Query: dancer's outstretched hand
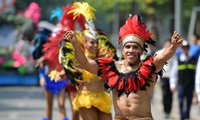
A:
59	76
70	35
176	40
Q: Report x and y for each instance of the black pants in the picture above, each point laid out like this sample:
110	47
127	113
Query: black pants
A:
166	95
185	95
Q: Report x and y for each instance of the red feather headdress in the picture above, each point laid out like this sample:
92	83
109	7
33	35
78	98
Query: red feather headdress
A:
80	12
136	31
69	21
83	9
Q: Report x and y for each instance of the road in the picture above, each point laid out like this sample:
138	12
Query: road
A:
28	103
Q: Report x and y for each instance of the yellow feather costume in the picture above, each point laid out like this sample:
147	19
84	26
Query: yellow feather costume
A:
87	99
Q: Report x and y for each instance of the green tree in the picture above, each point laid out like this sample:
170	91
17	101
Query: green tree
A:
163	10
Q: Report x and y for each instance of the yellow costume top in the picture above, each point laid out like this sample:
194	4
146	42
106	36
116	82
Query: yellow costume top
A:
87	76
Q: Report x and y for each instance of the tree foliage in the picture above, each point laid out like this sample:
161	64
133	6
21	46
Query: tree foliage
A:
106	8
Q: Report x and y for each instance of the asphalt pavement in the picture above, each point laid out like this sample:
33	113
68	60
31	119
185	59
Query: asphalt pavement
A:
28	103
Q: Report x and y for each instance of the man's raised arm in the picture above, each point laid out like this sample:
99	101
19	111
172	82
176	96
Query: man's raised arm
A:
160	59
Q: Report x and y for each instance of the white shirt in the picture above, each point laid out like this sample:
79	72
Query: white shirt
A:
197	79
168	66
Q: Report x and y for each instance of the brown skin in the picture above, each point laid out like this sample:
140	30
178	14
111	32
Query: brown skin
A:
75	114
49	102
71	95
94	85
49	95
131	53
136	104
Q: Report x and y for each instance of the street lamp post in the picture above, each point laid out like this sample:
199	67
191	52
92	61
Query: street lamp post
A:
178	16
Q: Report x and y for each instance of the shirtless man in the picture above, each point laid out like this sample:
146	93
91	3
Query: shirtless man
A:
131	80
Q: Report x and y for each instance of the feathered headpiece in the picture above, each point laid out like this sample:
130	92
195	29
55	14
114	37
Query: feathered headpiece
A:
79	12
136	31
90	30
68	20
84	9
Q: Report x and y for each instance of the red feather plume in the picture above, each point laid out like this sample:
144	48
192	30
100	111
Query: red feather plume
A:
120	84
68	20
134	26
130	84
51	50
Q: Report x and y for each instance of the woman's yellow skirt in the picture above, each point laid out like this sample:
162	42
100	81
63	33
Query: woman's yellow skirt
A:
101	100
